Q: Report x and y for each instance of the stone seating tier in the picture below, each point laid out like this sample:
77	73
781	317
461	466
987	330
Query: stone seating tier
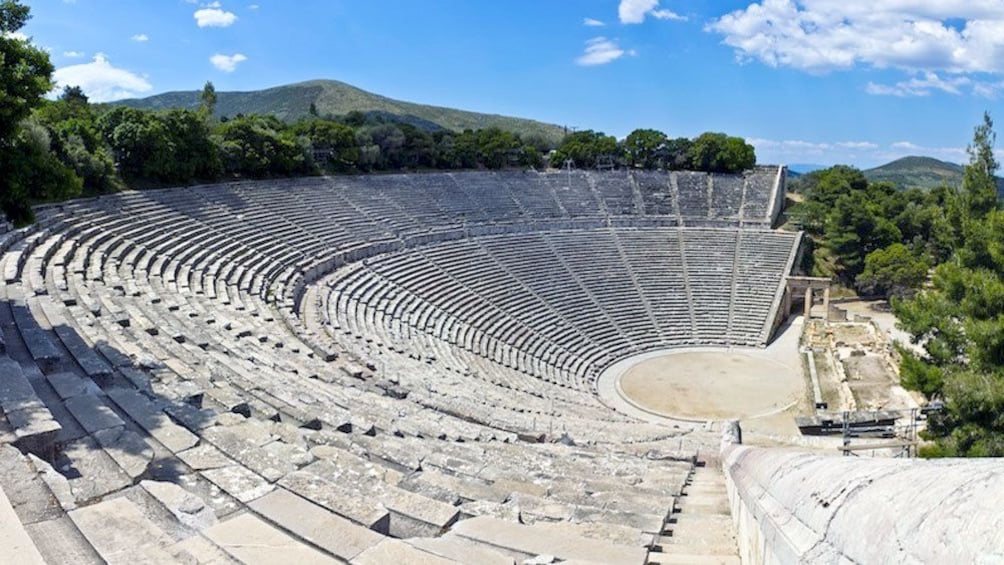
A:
180	382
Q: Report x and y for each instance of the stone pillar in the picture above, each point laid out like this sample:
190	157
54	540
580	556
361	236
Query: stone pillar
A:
808	302
786	304
826	304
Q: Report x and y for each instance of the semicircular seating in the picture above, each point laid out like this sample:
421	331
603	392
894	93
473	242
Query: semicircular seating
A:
409	360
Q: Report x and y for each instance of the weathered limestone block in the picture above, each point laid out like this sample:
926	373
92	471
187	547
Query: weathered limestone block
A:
340	537
238	482
127	449
186	507
395	551
93	414
251	540
174	437
527	541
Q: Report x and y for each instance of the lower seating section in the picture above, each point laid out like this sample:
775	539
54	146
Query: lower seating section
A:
561	306
164	399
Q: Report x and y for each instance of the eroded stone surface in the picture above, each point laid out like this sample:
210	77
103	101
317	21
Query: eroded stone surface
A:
189	509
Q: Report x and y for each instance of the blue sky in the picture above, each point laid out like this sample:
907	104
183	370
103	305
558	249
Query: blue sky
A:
807	81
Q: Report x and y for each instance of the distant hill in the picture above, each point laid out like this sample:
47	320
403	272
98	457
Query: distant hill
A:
293	101
922	172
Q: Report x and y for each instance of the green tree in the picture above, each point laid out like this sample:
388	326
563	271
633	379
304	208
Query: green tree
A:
38	176
959	321
892	271
917	374
139	141
259	146
979	183
331	136
73	95
584	149
25	76
496	147
193	156
645	148
720	153
854	228
208	99
676	154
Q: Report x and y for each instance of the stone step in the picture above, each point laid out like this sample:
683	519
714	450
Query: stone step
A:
454	547
692	559
706	478
699	504
701	531
120	532
310	522
395	551
17	545
250	539
523	542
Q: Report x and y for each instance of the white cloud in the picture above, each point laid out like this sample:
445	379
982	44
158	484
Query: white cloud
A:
988	89
667	15
856	145
211	15
824	35
140	38
252	7
634	11
600	51
101	81
920	86
590	22
73	54
16	35
227	63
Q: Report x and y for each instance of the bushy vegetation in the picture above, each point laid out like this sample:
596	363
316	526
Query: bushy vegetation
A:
881	240
959	320
886	241
653	149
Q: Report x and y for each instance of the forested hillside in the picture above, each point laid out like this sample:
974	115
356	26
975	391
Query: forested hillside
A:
333	98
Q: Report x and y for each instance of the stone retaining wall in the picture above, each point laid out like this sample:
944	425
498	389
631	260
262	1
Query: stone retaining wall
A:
798	507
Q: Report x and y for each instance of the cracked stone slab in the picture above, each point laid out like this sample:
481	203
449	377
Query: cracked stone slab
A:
188	508
174	437
317	525
204	456
251	540
121	533
127	449
26	490
396	551
238	482
248	453
93	414
68	385
90	471
57	483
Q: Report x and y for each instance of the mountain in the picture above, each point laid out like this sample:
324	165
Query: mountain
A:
292	101
923	172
